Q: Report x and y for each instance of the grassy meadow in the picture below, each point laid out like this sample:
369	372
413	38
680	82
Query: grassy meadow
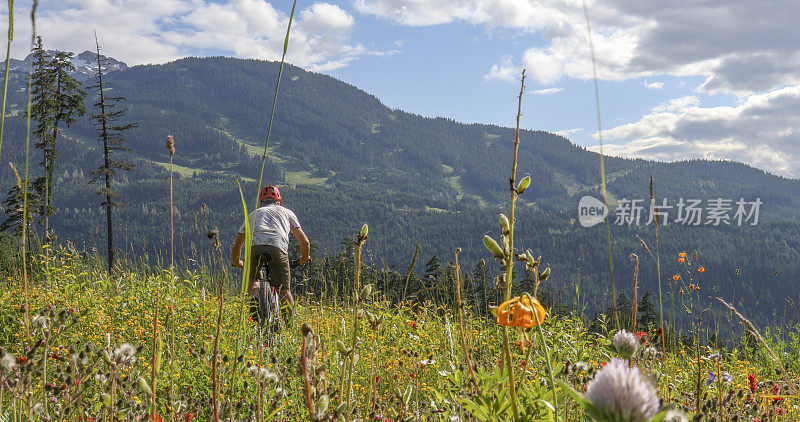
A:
94	340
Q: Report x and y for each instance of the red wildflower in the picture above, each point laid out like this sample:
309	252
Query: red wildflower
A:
751	378
189	417
776	390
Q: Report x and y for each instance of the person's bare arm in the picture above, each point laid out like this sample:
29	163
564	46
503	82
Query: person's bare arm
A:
236	249
305	245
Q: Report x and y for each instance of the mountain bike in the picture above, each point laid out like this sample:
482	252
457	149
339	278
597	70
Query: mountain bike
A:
265	305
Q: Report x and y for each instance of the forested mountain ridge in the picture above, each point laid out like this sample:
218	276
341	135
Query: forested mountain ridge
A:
344	158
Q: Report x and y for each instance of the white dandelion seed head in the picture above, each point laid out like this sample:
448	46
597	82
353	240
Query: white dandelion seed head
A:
263	373
38	410
126	352
40	321
268	375
675	415
8	362
625	343
622	394
253	369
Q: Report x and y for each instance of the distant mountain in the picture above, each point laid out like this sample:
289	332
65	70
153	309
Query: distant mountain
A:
343	158
85	64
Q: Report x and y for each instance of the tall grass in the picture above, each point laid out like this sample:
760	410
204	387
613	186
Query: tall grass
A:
5	72
602	166
274	104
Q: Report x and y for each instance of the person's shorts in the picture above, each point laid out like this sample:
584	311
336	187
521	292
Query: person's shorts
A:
278	261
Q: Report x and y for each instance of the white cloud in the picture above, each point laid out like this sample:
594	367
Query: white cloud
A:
761	131
653	85
156	31
738	46
547	91
506	70
567	132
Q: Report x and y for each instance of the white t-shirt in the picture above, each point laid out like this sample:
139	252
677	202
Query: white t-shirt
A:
271	226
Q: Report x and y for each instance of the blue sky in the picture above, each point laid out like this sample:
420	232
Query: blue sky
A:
683	79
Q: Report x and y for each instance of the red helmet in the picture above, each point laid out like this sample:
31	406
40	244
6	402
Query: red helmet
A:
270	192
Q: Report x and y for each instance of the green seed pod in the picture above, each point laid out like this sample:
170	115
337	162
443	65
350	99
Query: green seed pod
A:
493	247
366	291
544	274
523	184
340	409
504	224
364	231
106	399
143	385
106	356
322	405
529	256
506	244
340	347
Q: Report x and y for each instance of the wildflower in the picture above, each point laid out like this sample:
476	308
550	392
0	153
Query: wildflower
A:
620	393
711	378
125	353
751	381
682	255
701	269
776	390
727	377
676	277
520	311
681	259
625	343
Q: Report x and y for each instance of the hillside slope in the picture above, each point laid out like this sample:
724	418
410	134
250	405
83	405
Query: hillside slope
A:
344	158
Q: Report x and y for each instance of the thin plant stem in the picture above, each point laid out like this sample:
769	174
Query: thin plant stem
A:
635	259
356	311
153	369
509	258
171	223
410	269
5	72
460	305
214	363
660	302
24	240
546	354
274	103
602	166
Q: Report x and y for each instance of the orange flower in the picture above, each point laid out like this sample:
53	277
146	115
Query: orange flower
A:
701	269
682	255
681	259
519	312
676	277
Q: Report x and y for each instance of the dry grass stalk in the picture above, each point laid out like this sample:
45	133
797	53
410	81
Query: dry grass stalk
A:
754	332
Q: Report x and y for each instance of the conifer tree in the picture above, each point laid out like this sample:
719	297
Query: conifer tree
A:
13	207
112	139
57	99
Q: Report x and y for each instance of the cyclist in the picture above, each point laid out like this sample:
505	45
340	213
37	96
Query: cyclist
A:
271	224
